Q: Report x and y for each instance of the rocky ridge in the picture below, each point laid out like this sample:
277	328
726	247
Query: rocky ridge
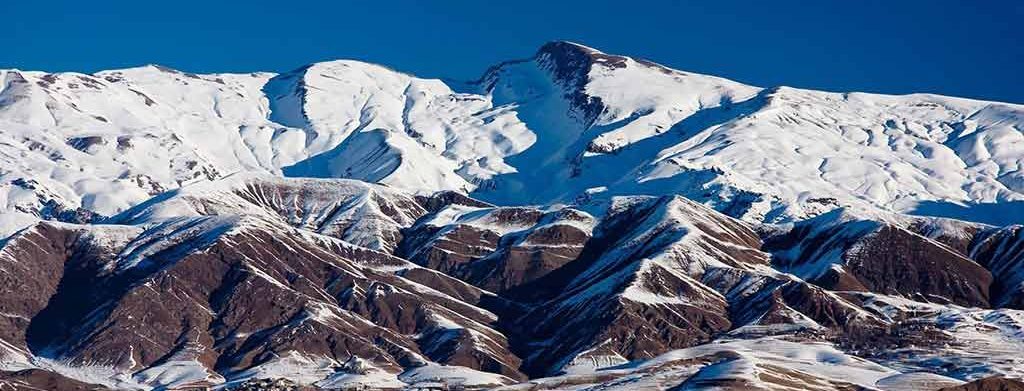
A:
549	226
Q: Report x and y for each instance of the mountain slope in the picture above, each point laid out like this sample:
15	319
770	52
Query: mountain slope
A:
254	276
360	213
76	143
600	220
200	299
615	125
568	124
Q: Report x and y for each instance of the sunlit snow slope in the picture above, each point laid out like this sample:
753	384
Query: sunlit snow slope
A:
567	125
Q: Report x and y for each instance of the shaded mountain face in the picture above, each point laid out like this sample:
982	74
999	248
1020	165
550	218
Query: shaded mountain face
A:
1002	251
990	383
842	252
576	219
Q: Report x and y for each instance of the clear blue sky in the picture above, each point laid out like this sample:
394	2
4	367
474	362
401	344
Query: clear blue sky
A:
972	48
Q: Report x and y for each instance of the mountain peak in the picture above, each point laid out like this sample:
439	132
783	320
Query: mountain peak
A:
555	46
565	54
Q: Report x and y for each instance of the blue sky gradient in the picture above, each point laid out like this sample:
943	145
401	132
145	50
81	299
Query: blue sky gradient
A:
962	48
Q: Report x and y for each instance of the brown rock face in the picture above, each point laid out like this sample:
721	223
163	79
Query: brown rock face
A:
634	290
895	261
1002	251
249	276
842	253
989	384
782	301
955	234
32	274
592	323
231	294
498	249
657	274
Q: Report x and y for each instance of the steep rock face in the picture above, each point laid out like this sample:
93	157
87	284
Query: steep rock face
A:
220	295
34	268
989	384
497	248
842	252
1002	251
634	289
767	304
635	276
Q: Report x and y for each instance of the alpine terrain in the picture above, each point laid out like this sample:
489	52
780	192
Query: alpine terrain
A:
574	220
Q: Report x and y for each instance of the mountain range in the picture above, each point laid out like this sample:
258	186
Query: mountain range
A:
574	220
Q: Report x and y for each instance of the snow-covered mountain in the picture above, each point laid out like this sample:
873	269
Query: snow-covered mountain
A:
572	220
614	125
570	123
108	141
